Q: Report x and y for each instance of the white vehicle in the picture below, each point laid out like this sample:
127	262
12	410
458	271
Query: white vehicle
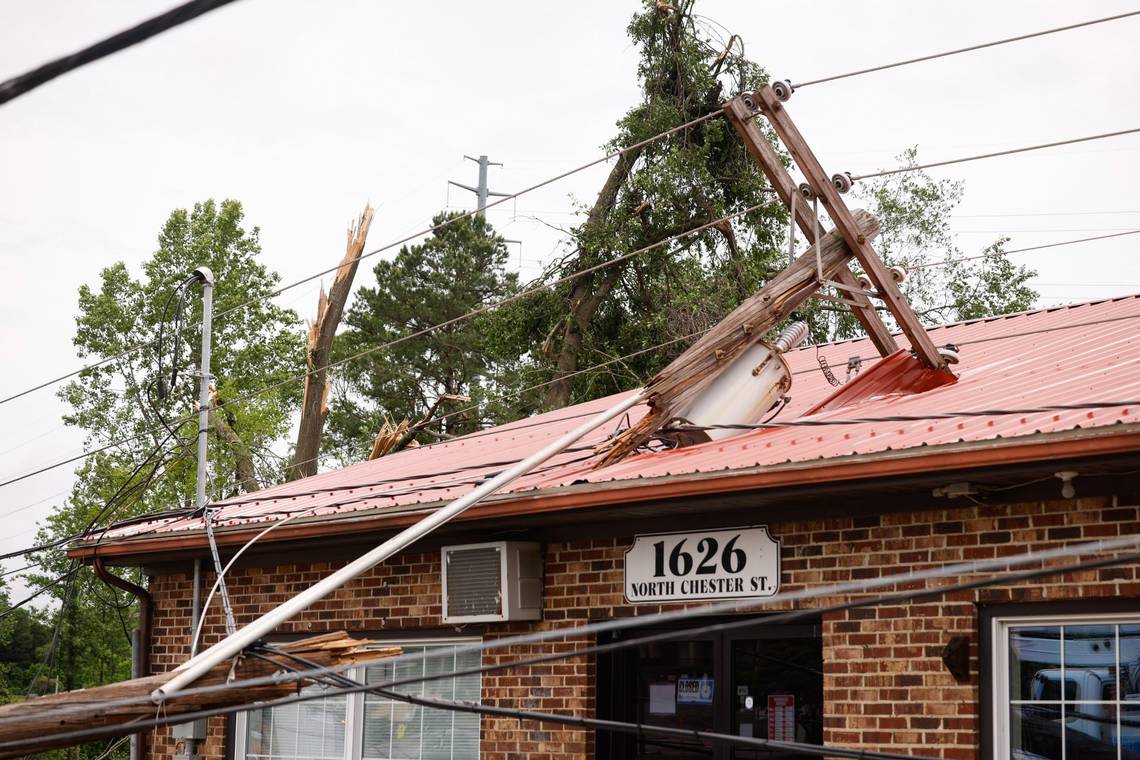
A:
1095	720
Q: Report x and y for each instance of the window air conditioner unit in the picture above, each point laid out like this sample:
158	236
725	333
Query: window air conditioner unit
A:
495	581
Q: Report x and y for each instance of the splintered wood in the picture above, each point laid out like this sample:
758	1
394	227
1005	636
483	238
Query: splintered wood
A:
314	403
390	434
678	384
41	718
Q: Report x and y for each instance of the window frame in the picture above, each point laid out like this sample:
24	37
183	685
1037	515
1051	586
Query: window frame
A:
354	708
996	621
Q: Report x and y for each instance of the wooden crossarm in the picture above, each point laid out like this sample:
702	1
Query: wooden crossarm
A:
741	118
876	271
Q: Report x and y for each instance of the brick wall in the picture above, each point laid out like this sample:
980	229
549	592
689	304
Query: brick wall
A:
885	685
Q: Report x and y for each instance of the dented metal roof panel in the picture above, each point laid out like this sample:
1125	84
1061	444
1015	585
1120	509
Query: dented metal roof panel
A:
1065	355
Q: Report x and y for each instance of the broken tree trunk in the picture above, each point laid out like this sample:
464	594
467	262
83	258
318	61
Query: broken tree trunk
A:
41	719
675	386
314	405
245	473
588	292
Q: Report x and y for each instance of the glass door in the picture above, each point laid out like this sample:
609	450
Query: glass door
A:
764	681
676	687
777	690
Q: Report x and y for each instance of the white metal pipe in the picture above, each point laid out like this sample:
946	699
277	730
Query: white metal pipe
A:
230	646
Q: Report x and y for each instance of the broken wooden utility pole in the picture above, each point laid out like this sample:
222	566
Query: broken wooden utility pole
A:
36	725
823	265
674	387
314	404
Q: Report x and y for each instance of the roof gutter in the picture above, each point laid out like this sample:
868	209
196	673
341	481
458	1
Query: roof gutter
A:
146	612
972	455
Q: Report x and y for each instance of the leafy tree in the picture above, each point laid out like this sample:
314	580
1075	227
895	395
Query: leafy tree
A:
456	270
944	283
654	192
149	462
253	346
24	635
698	175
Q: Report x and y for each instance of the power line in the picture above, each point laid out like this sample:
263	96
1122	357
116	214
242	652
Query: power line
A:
971	48
125	490
427	231
526	293
1044	213
19	569
543	183
907	417
639	729
995	154
1023	250
617	624
17	86
76	458
531	291
39	592
797	372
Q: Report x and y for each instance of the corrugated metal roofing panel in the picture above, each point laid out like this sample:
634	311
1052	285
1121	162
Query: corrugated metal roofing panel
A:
1064	355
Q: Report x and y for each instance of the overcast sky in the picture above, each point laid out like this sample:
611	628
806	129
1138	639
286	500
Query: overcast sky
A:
304	111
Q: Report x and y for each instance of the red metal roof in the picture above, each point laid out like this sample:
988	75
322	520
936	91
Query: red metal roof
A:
1064	355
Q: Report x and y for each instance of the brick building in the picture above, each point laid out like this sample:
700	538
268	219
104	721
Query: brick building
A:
1048	668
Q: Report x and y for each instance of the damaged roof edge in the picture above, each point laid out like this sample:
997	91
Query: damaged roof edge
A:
1083	442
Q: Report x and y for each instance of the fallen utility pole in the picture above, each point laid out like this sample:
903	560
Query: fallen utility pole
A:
682	381
687	376
825	264
28	727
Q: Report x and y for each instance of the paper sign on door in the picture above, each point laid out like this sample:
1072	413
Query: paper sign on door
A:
782	717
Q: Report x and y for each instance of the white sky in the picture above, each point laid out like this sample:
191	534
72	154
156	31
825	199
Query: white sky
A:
304	111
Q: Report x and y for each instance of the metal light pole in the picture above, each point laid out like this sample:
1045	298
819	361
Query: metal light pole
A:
194	732
206	277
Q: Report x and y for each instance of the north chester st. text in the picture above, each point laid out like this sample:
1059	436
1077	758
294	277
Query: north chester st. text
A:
700	586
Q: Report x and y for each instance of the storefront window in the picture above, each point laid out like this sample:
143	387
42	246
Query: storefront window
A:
1067	688
371	727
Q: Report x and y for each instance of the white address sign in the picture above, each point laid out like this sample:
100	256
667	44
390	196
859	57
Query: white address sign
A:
714	564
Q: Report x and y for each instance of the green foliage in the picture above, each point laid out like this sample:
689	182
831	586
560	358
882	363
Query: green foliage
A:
456	270
944	283
669	187
24	636
254	346
699	175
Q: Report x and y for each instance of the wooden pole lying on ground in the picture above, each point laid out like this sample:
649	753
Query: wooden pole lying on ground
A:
676	385
36	718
